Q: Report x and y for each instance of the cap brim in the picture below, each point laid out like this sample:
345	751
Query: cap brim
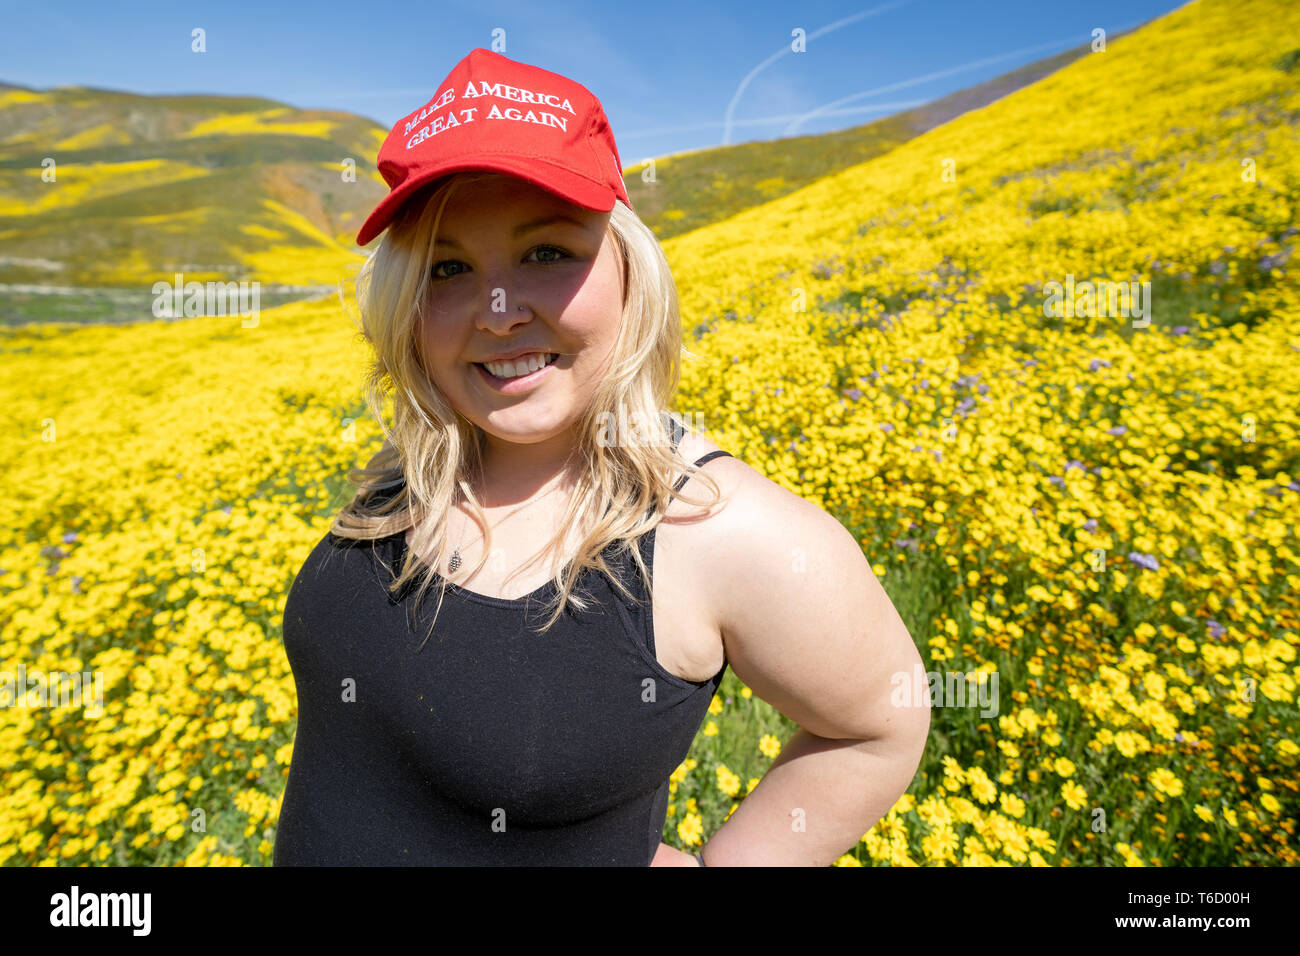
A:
565	183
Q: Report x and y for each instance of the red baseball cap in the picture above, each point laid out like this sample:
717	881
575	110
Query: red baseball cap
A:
494	113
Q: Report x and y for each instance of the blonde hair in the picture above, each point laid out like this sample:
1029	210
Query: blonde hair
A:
431	450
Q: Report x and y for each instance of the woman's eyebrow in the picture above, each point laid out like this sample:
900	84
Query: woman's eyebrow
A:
524	228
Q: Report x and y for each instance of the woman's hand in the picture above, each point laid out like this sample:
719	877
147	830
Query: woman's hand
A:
671	856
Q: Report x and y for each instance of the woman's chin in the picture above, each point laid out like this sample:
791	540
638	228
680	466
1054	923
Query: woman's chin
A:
521	429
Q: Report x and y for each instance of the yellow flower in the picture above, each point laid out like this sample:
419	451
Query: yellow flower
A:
1203	812
940	845
769	746
715	705
1039	594
1010	727
1270	803
746	693
1165	782
981	787
1027	719
728	782
710	729
1074	795
1012	805
1063	766
691	829
1129	743
904	803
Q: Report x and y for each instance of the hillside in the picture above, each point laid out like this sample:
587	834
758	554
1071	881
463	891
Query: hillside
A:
1088	517
708	185
215	187
230	187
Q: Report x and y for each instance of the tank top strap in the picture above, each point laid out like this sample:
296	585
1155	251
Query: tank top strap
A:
681	482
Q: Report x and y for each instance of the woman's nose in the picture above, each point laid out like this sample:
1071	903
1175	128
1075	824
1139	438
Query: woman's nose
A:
503	311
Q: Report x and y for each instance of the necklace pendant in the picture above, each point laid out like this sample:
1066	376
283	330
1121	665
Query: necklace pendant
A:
454	563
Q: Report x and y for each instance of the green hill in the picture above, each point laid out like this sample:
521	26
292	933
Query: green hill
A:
216	187
707	186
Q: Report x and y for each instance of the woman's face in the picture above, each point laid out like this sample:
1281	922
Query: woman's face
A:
504	281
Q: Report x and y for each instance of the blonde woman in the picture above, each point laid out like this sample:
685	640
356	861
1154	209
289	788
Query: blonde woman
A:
510	637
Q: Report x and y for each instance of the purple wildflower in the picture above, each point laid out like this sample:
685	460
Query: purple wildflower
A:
1215	628
1090	525
887	427
1117	430
1144	560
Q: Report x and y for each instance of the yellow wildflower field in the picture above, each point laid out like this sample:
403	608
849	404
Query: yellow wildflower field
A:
1087	519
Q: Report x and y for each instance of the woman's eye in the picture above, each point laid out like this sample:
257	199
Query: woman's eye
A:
433	271
551	249
560	254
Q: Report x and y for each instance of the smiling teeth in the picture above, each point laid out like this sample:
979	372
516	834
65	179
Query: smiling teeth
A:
523	365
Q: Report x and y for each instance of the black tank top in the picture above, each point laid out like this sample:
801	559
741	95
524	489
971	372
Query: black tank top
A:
494	744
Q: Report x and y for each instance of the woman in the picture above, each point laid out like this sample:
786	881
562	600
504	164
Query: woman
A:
587	606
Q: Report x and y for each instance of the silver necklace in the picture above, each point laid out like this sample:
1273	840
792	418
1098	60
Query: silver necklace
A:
455	562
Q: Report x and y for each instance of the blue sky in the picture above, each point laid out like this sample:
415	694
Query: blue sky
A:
667	72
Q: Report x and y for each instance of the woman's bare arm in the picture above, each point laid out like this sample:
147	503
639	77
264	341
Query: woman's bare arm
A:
808	627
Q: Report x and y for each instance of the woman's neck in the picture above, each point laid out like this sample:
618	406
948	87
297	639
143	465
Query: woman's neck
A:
514	473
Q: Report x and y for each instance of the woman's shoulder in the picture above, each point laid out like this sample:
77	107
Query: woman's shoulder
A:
751	486
755	510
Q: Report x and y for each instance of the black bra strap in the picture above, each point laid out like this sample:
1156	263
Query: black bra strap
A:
681	483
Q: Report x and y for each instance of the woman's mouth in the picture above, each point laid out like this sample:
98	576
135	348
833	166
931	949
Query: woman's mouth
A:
517	374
